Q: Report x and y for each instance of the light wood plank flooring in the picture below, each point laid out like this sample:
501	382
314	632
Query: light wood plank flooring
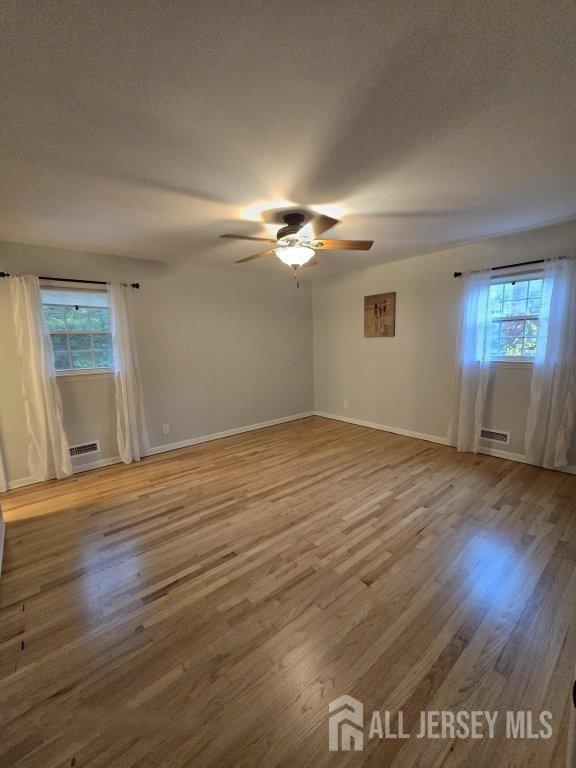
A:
203	607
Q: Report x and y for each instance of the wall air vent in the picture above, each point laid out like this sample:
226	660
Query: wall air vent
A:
495	435
80	450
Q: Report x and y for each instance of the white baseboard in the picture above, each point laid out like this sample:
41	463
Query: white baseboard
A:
152	451
21	482
95	464
226	433
520	457
385	428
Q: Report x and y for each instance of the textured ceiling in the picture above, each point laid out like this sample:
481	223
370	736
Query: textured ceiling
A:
148	128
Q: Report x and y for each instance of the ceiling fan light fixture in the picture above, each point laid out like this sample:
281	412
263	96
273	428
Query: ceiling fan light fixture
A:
295	255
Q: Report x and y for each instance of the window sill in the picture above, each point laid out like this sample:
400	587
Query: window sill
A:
85	374
511	363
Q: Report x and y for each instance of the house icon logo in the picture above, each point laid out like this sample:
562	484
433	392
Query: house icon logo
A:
345	724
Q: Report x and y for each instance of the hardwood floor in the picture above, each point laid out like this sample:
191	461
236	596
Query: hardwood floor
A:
203	607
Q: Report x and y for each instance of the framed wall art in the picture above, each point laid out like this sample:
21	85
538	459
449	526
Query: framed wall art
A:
380	315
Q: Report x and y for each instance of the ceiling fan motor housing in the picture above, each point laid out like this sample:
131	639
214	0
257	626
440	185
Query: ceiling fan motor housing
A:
294	222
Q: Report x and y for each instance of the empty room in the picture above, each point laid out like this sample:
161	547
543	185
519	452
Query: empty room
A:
287	384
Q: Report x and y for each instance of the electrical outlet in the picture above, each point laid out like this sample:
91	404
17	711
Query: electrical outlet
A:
345	403
165	429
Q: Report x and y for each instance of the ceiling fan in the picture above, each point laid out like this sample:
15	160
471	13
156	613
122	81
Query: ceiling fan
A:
296	242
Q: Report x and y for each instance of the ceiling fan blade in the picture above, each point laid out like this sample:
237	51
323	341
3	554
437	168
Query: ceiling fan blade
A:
321	224
344	245
255	256
248	237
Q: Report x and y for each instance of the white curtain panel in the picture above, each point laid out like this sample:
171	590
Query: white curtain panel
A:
48	444
3	481
550	422
472	363
131	427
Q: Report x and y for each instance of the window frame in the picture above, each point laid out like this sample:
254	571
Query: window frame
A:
510	277
77	372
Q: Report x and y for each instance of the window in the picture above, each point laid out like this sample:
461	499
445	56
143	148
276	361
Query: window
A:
514	310
79	326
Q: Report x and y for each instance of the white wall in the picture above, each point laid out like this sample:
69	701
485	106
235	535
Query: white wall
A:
405	382
219	349
226	348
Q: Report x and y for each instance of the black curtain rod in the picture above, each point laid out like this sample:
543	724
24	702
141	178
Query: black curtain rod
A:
73	280
509	266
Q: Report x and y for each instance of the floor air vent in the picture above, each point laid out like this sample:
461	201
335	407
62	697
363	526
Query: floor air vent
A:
495	435
80	450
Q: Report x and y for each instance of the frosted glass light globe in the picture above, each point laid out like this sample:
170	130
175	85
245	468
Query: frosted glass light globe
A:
295	255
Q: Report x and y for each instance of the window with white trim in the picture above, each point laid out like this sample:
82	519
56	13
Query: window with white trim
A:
79	325
514	306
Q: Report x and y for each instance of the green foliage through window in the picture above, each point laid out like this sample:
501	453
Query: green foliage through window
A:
514	309
81	337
